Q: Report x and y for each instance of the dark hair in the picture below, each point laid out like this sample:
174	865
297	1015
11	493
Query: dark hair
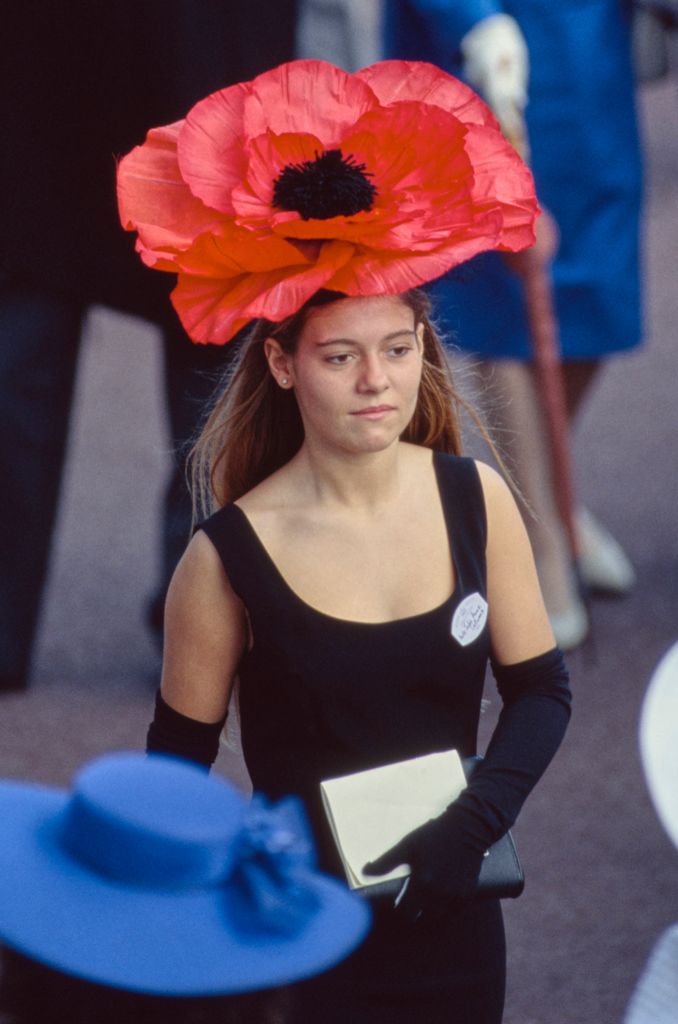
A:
255	427
32	993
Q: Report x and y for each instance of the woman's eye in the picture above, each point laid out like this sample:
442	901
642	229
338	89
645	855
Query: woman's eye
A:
400	350
340	359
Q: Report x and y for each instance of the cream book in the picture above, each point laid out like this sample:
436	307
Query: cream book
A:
370	811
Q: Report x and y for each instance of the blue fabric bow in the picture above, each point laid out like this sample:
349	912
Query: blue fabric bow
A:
271	882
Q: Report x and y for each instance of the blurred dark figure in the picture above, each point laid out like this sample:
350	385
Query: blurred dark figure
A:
32	993
79	84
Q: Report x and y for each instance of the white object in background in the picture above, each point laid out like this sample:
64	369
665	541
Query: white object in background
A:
655	998
496	63
659	742
603	563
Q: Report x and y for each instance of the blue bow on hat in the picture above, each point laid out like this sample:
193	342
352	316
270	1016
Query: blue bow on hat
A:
275	855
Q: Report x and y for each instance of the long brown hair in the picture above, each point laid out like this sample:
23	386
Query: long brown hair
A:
255	426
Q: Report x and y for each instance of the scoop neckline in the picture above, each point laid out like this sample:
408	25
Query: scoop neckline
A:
437	610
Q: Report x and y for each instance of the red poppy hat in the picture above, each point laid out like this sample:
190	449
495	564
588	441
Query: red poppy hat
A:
309	177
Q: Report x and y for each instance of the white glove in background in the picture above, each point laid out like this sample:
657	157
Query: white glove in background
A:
496	63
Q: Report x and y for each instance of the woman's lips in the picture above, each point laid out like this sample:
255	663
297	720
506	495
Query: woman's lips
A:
374	412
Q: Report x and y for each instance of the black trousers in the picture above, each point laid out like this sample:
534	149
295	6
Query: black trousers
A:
39	343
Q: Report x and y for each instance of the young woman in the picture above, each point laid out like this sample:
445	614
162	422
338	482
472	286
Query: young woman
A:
358	571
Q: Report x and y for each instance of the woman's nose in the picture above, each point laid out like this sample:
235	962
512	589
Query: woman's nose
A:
372	374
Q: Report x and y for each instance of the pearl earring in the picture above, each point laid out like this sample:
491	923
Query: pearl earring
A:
284	381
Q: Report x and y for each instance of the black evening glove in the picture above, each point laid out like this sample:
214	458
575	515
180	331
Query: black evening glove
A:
445	856
446	853
175	734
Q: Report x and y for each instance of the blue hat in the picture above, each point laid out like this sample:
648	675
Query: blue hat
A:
154	877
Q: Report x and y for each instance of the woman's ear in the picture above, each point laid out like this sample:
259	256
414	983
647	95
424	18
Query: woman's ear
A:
419	331
279	363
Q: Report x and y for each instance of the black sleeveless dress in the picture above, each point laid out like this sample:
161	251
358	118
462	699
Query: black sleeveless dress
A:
321	696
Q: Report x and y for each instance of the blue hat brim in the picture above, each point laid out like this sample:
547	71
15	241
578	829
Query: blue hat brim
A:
56	911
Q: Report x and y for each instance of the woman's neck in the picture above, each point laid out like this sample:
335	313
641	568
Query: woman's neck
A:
366	480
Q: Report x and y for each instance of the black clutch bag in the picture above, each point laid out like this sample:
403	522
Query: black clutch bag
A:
501	875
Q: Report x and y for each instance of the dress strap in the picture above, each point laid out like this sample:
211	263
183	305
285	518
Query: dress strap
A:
461	493
230	532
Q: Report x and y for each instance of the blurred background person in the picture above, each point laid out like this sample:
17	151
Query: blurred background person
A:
558	76
153	893
79	84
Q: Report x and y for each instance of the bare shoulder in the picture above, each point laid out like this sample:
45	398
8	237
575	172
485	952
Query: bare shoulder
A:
200	573
505	526
499	501
519	625
205	633
492	481
200	596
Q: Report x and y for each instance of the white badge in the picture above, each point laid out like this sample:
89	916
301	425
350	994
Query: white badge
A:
469	619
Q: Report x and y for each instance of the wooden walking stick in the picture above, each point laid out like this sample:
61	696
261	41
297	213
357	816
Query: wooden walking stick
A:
538	295
533	267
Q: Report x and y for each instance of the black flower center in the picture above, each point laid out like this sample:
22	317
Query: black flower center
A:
332	185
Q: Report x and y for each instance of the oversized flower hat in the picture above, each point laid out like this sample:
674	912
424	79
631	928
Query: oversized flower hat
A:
309	177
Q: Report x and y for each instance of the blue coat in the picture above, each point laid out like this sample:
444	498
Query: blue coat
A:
586	161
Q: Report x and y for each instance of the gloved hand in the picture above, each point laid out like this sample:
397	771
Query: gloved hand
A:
496	63
445	857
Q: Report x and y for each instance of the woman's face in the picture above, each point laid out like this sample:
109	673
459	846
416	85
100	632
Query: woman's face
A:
356	372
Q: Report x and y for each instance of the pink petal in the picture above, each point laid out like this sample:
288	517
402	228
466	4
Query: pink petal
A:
153	198
397	80
213	310
211	146
306	96
233	251
503	182
268	155
374	273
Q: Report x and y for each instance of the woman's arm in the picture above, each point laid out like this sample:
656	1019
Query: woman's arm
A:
518	623
531	675
206	634
446	853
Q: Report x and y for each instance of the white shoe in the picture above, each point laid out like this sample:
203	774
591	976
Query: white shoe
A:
571	627
603	563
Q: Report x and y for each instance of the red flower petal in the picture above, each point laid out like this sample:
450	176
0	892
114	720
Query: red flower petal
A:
424	186
312	97
306	96
504	182
153	198
213	309
398	80
375	273
211	147
200	192
231	251
269	154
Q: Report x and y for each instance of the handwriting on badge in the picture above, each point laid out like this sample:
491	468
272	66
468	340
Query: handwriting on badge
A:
469	619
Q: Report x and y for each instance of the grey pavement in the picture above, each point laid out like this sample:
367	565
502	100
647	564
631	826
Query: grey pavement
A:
602	877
